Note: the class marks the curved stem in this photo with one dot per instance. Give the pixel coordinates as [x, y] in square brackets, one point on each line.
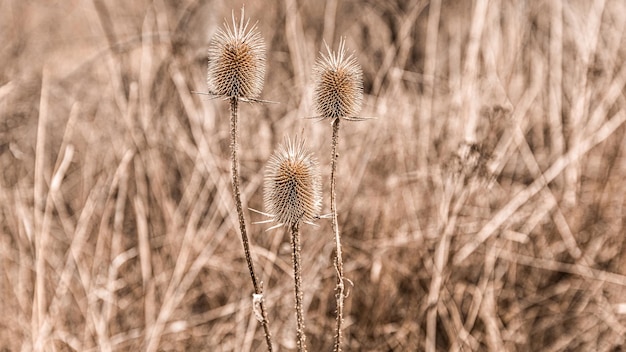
[258, 289]
[339, 294]
[297, 274]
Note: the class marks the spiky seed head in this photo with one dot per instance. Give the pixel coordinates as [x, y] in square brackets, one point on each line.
[338, 84]
[292, 190]
[237, 60]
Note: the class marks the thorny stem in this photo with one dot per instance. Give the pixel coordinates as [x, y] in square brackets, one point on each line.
[242, 225]
[339, 294]
[297, 274]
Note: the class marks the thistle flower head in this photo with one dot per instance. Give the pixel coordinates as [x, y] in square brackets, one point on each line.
[237, 60]
[338, 84]
[292, 190]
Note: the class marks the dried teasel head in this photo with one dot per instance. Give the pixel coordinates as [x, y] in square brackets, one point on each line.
[338, 84]
[237, 60]
[292, 190]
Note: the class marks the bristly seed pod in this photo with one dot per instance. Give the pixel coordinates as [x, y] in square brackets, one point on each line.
[237, 61]
[338, 84]
[292, 190]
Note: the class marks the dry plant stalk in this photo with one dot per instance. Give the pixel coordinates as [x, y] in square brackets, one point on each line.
[292, 194]
[236, 70]
[294, 239]
[338, 95]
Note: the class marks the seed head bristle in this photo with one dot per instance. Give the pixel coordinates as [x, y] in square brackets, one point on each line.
[338, 84]
[292, 190]
[237, 60]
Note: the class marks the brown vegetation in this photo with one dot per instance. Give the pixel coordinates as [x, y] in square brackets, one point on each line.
[483, 209]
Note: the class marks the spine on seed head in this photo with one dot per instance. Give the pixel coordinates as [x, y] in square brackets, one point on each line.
[236, 60]
[292, 185]
[338, 84]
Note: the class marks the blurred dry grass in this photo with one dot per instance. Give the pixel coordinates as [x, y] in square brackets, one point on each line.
[483, 210]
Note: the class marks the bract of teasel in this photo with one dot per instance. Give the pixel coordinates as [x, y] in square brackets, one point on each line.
[237, 61]
[338, 84]
[292, 185]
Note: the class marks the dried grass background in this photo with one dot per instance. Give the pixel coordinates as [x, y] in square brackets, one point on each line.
[117, 225]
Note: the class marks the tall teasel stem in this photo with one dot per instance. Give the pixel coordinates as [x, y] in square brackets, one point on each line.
[292, 194]
[235, 71]
[258, 289]
[338, 95]
[339, 258]
[235, 183]
[297, 273]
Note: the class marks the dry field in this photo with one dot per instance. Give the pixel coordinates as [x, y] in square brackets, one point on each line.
[484, 209]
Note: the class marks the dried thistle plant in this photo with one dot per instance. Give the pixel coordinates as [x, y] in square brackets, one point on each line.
[338, 85]
[292, 191]
[237, 61]
[338, 95]
[292, 195]
[236, 71]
